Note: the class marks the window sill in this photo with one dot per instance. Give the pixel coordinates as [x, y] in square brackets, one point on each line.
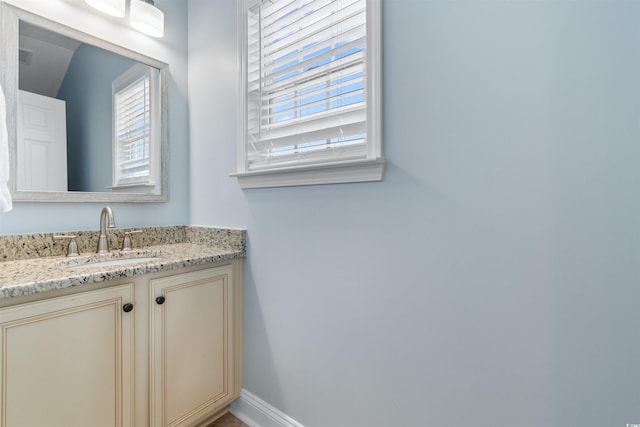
[137, 188]
[336, 173]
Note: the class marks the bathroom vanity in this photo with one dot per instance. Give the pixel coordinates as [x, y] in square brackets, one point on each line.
[149, 336]
[152, 339]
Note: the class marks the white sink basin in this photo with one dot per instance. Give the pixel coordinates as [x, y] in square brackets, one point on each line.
[110, 259]
[112, 262]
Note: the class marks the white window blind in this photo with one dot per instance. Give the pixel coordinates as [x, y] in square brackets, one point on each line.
[132, 129]
[306, 82]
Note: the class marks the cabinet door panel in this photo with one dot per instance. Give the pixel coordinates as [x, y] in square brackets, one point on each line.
[66, 362]
[190, 345]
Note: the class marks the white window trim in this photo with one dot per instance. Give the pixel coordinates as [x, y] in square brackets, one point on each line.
[151, 184]
[366, 170]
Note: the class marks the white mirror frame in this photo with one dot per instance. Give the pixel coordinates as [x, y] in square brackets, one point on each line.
[9, 45]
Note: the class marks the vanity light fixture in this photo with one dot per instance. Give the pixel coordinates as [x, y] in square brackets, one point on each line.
[147, 18]
[143, 15]
[110, 7]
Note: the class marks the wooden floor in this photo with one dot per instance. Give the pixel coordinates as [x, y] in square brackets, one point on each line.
[228, 420]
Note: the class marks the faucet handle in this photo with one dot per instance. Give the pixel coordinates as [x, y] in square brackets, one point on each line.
[126, 245]
[72, 250]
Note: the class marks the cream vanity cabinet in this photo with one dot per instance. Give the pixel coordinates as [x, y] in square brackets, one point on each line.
[193, 368]
[160, 350]
[67, 361]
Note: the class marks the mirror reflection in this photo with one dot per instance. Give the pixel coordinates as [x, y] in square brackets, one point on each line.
[84, 117]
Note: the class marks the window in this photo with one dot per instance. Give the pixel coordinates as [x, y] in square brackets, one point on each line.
[135, 147]
[311, 92]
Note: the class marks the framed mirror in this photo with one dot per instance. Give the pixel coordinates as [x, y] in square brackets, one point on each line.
[86, 119]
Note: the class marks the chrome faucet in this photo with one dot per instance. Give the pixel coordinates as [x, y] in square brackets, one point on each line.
[103, 244]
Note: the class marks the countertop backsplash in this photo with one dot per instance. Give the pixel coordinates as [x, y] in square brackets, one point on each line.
[28, 246]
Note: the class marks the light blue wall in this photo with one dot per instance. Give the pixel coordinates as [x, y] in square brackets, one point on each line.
[87, 90]
[48, 217]
[492, 279]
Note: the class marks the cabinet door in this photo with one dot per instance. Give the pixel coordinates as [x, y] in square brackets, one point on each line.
[67, 361]
[191, 346]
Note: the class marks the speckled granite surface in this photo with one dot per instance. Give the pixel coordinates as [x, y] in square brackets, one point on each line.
[27, 246]
[36, 263]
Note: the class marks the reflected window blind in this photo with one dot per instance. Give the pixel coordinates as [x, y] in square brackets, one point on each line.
[306, 80]
[133, 132]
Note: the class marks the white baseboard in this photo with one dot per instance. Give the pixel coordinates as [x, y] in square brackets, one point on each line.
[255, 412]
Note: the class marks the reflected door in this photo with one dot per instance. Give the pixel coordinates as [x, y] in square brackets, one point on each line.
[42, 143]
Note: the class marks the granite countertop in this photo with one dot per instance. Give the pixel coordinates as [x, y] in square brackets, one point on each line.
[200, 245]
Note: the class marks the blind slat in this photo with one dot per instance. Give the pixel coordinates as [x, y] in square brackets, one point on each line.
[353, 69]
[271, 9]
[319, 87]
[337, 153]
[331, 16]
[301, 60]
[308, 126]
[323, 40]
[297, 110]
[272, 23]
[355, 59]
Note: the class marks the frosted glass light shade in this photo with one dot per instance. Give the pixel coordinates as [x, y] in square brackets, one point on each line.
[147, 18]
[110, 7]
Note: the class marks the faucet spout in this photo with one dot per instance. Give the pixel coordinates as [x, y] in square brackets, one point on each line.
[105, 215]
